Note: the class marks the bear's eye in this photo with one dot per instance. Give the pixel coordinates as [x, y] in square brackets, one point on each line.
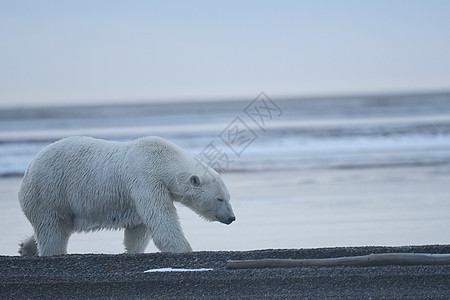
[195, 181]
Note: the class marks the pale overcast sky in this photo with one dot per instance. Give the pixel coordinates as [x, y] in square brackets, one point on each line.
[67, 52]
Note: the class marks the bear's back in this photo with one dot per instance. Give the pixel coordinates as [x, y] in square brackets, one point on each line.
[73, 153]
[70, 168]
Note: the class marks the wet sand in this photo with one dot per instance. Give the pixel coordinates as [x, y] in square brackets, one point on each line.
[306, 208]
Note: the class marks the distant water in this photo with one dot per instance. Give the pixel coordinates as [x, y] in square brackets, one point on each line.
[242, 136]
[324, 172]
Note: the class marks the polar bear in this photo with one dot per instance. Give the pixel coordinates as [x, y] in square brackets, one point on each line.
[81, 184]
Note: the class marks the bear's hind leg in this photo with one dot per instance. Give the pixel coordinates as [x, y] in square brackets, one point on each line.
[136, 239]
[53, 239]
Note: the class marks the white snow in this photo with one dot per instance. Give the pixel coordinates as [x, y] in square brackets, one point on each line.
[177, 270]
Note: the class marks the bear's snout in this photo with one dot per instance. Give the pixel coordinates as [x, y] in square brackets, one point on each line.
[227, 221]
[225, 213]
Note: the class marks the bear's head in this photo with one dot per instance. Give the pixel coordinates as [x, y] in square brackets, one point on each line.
[205, 193]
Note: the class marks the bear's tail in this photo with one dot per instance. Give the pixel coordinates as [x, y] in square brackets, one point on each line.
[28, 247]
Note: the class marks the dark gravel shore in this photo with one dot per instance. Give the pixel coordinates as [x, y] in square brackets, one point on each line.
[122, 276]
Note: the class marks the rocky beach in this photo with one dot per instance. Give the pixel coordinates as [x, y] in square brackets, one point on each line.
[92, 276]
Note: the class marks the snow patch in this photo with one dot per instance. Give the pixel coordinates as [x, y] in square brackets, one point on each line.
[177, 270]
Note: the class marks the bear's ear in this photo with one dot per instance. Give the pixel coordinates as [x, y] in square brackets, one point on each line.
[195, 181]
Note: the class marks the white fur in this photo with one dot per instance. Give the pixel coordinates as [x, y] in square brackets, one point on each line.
[81, 184]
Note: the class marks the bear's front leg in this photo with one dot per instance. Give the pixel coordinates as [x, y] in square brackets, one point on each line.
[136, 238]
[167, 234]
[160, 215]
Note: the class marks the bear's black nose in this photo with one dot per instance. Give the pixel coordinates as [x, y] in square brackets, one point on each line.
[231, 219]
